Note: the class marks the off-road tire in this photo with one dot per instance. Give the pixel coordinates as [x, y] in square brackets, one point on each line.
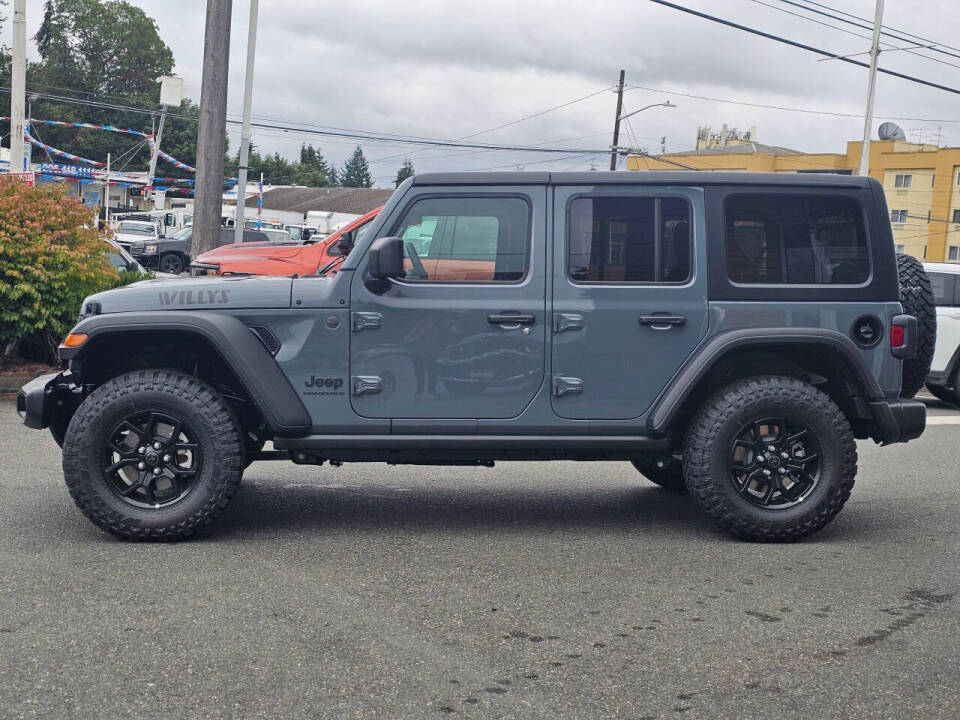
[171, 263]
[710, 436]
[669, 477]
[166, 391]
[916, 296]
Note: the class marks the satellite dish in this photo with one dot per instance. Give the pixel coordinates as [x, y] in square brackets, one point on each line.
[891, 131]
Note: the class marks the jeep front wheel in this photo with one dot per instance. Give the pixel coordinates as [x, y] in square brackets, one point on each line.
[152, 455]
[770, 459]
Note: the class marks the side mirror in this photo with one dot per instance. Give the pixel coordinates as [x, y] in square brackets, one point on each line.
[385, 258]
[344, 243]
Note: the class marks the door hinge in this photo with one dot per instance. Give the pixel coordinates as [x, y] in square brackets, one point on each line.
[363, 320]
[364, 384]
[567, 321]
[566, 385]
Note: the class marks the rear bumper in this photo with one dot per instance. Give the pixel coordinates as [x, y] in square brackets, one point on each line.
[898, 420]
[34, 401]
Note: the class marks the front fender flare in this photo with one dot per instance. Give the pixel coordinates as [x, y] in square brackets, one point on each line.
[241, 350]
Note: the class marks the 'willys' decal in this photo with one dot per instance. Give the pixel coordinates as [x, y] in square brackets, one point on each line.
[194, 297]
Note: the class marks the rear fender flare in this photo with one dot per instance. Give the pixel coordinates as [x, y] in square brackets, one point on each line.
[714, 349]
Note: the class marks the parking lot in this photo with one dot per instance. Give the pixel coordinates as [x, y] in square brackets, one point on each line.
[525, 591]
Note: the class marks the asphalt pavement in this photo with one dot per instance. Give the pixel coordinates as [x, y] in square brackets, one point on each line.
[531, 590]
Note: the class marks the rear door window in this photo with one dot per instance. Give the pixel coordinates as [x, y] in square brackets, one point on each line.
[628, 240]
[787, 239]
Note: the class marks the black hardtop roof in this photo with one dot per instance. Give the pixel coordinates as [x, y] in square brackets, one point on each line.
[646, 177]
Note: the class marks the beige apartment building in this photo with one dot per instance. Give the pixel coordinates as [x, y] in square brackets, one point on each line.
[921, 181]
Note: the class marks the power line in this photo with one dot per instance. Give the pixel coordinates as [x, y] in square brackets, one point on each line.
[358, 134]
[809, 111]
[515, 122]
[802, 46]
[868, 27]
[891, 29]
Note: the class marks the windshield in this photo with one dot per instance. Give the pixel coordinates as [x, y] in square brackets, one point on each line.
[184, 234]
[131, 228]
[120, 258]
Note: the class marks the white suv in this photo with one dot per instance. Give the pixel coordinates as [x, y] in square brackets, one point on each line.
[944, 378]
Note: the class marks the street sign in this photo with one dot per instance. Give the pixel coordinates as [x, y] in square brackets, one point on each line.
[28, 177]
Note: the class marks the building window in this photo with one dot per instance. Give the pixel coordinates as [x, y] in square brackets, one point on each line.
[900, 248]
[953, 253]
[796, 240]
[898, 216]
[903, 181]
[956, 216]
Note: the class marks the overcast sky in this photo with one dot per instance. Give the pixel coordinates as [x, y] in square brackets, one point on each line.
[439, 69]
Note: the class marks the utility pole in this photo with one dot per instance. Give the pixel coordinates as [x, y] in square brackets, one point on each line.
[245, 129]
[213, 121]
[871, 86]
[106, 196]
[616, 123]
[18, 85]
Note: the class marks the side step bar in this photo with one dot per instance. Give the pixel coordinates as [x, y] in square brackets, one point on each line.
[580, 443]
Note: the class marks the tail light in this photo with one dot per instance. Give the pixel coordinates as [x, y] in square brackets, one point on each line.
[896, 336]
[903, 336]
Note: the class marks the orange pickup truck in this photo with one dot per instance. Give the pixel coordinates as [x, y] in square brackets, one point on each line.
[281, 258]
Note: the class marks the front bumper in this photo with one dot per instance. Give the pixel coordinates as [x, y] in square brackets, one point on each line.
[199, 269]
[151, 261]
[898, 420]
[34, 401]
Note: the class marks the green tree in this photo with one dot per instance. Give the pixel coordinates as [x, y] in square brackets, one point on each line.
[405, 171]
[356, 171]
[110, 51]
[311, 158]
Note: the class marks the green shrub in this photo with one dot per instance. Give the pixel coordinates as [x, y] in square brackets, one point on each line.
[49, 261]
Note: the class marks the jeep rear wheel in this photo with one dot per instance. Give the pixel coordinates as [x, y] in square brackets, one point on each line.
[662, 470]
[152, 455]
[770, 459]
[916, 296]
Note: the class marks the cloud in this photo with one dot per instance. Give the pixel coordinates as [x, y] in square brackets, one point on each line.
[433, 68]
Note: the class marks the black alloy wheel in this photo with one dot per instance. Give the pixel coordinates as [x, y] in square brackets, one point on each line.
[171, 263]
[775, 462]
[152, 459]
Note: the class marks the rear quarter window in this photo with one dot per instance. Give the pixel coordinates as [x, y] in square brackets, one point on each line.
[795, 239]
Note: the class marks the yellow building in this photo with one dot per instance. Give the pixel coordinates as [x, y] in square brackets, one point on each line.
[922, 183]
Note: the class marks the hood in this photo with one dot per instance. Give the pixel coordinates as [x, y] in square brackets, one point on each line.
[197, 293]
[253, 251]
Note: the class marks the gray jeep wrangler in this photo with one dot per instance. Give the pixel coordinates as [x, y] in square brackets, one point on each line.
[730, 334]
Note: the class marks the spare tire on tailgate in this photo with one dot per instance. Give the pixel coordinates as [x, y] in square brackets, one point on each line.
[916, 296]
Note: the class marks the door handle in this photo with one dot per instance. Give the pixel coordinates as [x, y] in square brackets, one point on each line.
[507, 318]
[663, 321]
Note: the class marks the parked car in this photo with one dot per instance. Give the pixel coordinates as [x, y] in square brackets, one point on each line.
[943, 382]
[283, 258]
[169, 255]
[121, 260]
[172, 255]
[128, 232]
[733, 334]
